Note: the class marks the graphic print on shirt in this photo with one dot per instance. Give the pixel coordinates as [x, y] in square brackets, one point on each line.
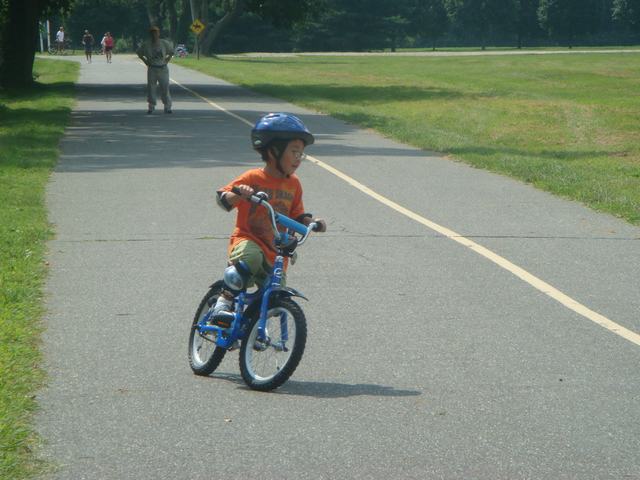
[259, 221]
[253, 222]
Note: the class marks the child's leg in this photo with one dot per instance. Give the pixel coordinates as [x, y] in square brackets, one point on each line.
[254, 258]
[251, 254]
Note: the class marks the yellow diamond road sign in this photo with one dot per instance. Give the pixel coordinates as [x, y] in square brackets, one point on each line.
[197, 26]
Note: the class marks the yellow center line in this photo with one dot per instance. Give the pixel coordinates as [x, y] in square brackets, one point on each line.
[213, 104]
[502, 262]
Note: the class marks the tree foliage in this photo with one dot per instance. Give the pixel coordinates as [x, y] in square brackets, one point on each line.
[285, 25]
[527, 25]
[123, 18]
[627, 13]
[568, 19]
[218, 15]
[483, 18]
[429, 19]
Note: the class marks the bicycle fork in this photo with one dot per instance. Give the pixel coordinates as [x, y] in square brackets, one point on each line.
[263, 340]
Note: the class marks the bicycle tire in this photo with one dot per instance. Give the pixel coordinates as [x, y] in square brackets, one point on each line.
[257, 359]
[204, 355]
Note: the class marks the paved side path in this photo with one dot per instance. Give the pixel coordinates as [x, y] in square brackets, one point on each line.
[438, 53]
[424, 360]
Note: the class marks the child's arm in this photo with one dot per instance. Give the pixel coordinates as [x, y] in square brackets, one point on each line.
[227, 200]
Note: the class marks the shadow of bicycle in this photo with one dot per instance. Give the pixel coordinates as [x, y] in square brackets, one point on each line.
[342, 390]
[328, 389]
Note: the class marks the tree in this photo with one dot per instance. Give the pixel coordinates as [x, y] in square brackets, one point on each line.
[395, 20]
[282, 13]
[358, 25]
[125, 19]
[18, 40]
[429, 19]
[484, 19]
[627, 12]
[527, 25]
[228, 12]
[566, 20]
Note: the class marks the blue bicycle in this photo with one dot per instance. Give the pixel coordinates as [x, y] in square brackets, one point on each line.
[271, 326]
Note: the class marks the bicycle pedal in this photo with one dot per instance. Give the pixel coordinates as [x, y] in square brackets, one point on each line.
[223, 319]
[260, 346]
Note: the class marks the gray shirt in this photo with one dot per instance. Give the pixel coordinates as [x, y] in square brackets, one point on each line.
[155, 54]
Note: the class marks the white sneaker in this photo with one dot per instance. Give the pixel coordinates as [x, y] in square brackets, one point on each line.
[223, 304]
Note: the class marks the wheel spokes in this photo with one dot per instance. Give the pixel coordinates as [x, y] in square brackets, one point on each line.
[268, 356]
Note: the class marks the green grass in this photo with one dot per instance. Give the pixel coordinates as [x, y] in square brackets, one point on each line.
[564, 123]
[32, 121]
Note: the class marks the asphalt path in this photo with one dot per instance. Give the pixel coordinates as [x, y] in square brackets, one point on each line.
[424, 360]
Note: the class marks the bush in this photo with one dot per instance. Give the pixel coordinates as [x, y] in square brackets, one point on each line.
[123, 45]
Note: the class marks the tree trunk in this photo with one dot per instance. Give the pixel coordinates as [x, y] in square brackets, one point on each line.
[154, 12]
[19, 38]
[211, 33]
[173, 20]
[184, 20]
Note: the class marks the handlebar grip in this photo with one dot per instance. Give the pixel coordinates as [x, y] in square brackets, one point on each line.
[315, 226]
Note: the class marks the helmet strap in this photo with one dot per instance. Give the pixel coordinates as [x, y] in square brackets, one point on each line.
[278, 154]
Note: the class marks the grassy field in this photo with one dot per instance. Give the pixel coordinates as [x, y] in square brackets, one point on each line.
[31, 124]
[565, 123]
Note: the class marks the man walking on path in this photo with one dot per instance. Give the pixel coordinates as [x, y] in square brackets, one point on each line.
[156, 53]
[87, 41]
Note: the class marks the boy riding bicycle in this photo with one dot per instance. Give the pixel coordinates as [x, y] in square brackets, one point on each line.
[280, 138]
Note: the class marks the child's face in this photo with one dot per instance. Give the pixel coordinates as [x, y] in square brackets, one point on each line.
[292, 157]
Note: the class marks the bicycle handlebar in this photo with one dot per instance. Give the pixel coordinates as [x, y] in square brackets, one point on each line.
[261, 198]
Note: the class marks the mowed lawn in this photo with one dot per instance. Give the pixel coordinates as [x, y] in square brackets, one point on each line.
[569, 124]
[32, 120]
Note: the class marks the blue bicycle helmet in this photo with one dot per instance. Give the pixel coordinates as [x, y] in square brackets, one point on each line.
[279, 126]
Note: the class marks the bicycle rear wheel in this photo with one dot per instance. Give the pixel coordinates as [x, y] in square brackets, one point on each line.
[267, 363]
[204, 355]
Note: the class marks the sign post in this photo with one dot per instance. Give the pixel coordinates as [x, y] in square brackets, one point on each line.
[197, 27]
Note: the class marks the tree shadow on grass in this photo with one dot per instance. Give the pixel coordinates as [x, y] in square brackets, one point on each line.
[29, 134]
[36, 91]
[30, 137]
[358, 94]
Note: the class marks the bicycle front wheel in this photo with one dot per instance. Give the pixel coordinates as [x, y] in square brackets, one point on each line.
[267, 361]
[204, 354]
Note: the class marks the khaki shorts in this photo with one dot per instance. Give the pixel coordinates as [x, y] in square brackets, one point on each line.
[251, 254]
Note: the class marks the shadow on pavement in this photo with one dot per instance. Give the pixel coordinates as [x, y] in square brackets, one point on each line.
[342, 390]
[112, 131]
[326, 389]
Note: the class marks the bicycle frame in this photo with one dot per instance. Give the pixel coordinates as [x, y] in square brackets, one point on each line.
[226, 337]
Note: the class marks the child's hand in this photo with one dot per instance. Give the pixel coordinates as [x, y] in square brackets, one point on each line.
[245, 191]
[321, 225]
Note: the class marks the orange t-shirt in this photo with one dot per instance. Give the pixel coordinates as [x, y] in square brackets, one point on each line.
[252, 222]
